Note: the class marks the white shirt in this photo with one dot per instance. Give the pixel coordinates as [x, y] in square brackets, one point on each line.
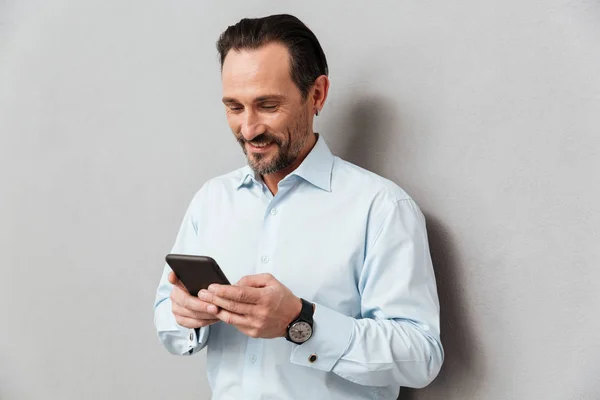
[339, 236]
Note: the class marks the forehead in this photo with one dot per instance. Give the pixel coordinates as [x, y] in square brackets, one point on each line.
[248, 74]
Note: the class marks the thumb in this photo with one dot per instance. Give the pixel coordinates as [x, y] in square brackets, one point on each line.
[257, 281]
[174, 280]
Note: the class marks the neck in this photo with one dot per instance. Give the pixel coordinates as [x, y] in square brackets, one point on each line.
[272, 180]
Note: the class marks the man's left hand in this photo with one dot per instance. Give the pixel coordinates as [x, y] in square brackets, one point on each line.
[257, 305]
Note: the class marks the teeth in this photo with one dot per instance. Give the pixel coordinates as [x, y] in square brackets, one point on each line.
[261, 145]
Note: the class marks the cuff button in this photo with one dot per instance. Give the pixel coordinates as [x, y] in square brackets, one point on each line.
[312, 358]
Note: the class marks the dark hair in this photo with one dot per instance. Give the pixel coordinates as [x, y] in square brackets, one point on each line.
[307, 59]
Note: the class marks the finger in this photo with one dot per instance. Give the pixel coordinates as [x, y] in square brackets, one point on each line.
[257, 280]
[233, 319]
[173, 278]
[194, 323]
[228, 304]
[184, 312]
[241, 294]
[185, 300]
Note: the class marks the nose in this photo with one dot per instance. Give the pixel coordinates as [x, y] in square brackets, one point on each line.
[251, 125]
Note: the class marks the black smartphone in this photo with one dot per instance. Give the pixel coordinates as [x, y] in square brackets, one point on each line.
[196, 272]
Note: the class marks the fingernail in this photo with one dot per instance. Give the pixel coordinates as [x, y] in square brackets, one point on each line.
[212, 288]
[202, 294]
[211, 309]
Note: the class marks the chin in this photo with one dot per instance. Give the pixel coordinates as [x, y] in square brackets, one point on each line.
[259, 164]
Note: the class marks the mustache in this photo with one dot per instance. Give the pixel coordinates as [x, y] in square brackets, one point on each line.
[261, 139]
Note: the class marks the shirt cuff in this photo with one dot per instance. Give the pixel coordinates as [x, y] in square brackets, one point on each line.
[196, 337]
[332, 333]
[178, 339]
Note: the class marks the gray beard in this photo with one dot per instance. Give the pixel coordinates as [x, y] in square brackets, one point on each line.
[284, 159]
[281, 162]
[286, 156]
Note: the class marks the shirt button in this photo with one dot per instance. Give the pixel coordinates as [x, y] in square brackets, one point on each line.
[252, 358]
[274, 211]
[265, 259]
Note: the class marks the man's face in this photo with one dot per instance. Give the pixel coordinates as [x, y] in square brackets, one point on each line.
[264, 107]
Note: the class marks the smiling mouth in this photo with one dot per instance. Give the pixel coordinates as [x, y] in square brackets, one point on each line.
[260, 147]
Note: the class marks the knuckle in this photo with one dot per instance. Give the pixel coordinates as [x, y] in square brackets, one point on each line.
[257, 323]
[233, 307]
[266, 299]
[204, 307]
[183, 302]
[177, 309]
[198, 315]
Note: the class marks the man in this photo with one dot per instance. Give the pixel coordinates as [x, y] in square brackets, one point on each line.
[335, 295]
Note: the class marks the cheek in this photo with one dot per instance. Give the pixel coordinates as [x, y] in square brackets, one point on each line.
[234, 123]
[279, 124]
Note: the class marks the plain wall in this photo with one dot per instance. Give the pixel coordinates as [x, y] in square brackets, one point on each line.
[487, 113]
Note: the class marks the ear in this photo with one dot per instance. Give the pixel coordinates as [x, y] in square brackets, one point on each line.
[319, 93]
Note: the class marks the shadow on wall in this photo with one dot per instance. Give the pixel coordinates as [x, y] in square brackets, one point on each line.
[370, 127]
[364, 128]
[461, 367]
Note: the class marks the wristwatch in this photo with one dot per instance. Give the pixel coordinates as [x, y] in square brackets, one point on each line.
[301, 329]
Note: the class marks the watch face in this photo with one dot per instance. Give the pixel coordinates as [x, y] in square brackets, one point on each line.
[300, 332]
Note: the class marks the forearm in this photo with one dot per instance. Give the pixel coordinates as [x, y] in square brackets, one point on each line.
[383, 352]
[372, 352]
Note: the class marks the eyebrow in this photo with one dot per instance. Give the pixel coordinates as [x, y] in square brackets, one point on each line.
[259, 99]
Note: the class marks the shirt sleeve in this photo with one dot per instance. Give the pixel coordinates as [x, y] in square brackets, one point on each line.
[176, 338]
[397, 338]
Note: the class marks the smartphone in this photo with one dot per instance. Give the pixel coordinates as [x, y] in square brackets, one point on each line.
[196, 272]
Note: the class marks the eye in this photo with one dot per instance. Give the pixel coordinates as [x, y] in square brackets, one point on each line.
[235, 107]
[268, 106]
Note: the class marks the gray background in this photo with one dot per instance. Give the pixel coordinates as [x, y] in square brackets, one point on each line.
[488, 113]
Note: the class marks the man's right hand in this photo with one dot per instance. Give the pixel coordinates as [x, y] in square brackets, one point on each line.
[190, 311]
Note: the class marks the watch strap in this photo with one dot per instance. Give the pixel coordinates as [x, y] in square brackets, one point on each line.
[307, 311]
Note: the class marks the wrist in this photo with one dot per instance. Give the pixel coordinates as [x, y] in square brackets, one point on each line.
[294, 313]
[300, 329]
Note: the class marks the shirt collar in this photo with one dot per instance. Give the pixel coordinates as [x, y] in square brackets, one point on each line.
[315, 168]
[247, 176]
